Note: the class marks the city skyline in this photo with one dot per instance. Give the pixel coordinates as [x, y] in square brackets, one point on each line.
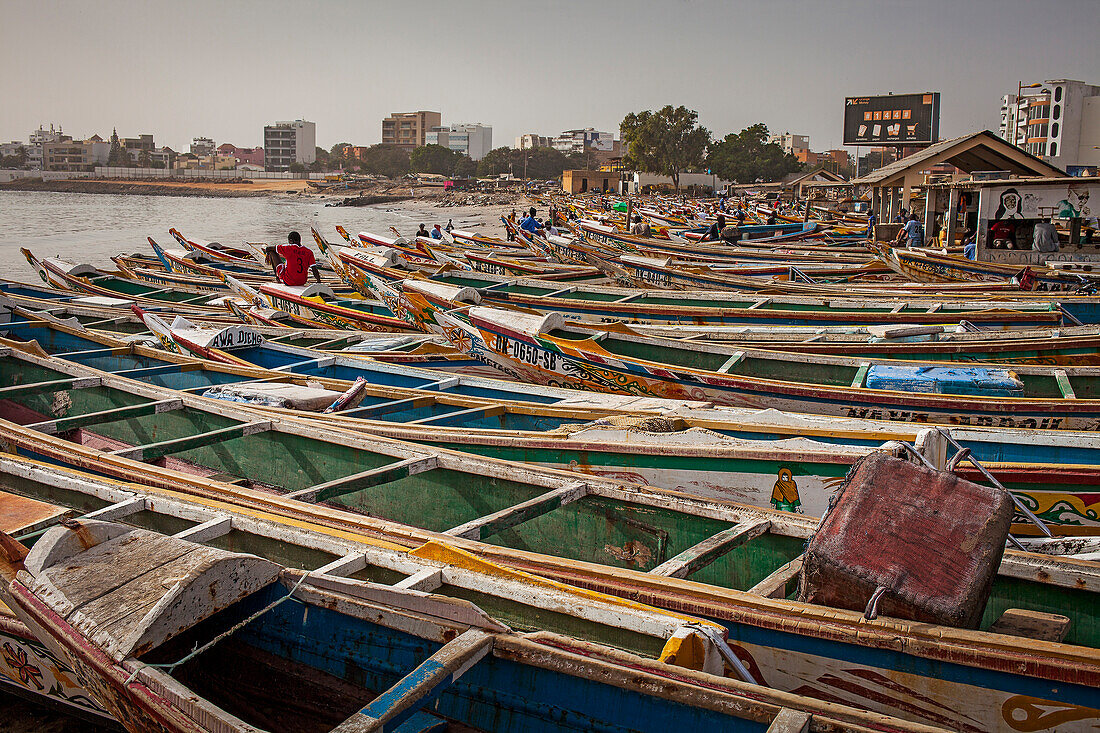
[226, 70]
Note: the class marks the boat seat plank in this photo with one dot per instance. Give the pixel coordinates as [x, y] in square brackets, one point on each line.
[491, 524]
[631, 297]
[460, 416]
[421, 686]
[114, 512]
[19, 515]
[108, 566]
[51, 385]
[1064, 384]
[1032, 624]
[114, 611]
[790, 721]
[861, 374]
[383, 408]
[152, 451]
[760, 304]
[899, 308]
[365, 479]
[63, 424]
[731, 362]
[157, 370]
[775, 585]
[704, 553]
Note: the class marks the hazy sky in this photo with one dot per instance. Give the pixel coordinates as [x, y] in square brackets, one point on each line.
[224, 69]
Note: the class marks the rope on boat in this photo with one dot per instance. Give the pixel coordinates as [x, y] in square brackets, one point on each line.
[171, 667]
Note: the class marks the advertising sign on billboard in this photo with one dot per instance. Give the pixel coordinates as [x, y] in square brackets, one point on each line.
[895, 119]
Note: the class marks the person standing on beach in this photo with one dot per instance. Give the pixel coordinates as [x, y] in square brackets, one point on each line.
[871, 221]
[422, 232]
[531, 224]
[450, 225]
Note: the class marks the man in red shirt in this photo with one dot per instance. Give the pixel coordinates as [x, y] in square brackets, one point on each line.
[298, 261]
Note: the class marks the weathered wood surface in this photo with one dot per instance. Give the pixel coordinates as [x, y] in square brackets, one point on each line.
[18, 514]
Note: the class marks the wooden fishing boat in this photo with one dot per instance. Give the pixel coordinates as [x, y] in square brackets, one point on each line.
[383, 578]
[316, 305]
[603, 303]
[245, 256]
[610, 538]
[58, 273]
[546, 350]
[930, 266]
[714, 456]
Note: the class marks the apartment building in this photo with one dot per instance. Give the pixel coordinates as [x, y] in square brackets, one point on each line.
[202, 146]
[531, 140]
[795, 145]
[286, 143]
[409, 129]
[576, 141]
[1057, 120]
[472, 139]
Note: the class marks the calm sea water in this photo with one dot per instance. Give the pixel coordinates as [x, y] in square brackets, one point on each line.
[93, 227]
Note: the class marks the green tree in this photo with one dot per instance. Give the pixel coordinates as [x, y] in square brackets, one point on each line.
[464, 168]
[385, 160]
[434, 159]
[297, 168]
[747, 157]
[144, 161]
[666, 142]
[540, 163]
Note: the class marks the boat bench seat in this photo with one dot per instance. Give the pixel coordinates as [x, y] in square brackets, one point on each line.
[1032, 624]
[276, 394]
[130, 590]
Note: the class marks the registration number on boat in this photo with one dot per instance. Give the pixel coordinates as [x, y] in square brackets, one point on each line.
[525, 352]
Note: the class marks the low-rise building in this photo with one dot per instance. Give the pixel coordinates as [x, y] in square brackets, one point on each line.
[202, 146]
[40, 137]
[250, 156]
[409, 129]
[70, 155]
[286, 143]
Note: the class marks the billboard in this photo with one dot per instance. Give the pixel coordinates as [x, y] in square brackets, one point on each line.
[895, 119]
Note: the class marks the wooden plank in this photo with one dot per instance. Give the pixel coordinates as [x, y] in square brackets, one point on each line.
[491, 524]
[345, 565]
[861, 374]
[113, 351]
[19, 515]
[162, 369]
[443, 384]
[629, 298]
[1064, 385]
[323, 363]
[425, 580]
[1032, 624]
[731, 362]
[790, 721]
[62, 424]
[118, 510]
[898, 308]
[459, 417]
[365, 479]
[208, 530]
[51, 385]
[704, 553]
[383, 408]
[152, 451]
[563, 291]
[421, 686]
[760, 304]
[775, 585]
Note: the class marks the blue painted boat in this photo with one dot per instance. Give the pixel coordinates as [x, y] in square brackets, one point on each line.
[175, 636]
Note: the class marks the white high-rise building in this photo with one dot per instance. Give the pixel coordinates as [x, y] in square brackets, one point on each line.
[1058, 120]
[531, 140]
[291, 142]
[575, 141]
[472, 139]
